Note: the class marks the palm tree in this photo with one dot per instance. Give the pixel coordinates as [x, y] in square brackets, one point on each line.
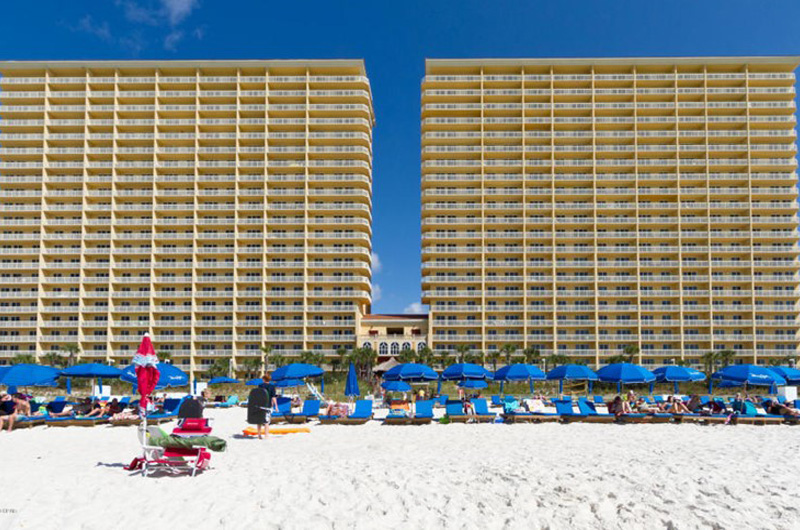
[24, 358]
[279, 360]
[363, 359]
[620, 358]
[557, 359]
[508, 351]
[266, 352]
[220, 368]
[710, 362]
[406, 355]
[341, 355]
[165, 356]
[479, 358]
[461, 352]
[251, 367]
[630, 351]
[493, 357]
[73, 351]
[310, 357]
[532, 355]
[425, 355]
[725, 357]
[54, 359]
[444, 359]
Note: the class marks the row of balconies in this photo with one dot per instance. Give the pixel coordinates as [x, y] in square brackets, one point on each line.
[199, 122]
[264, 310]
[605, 322]
[561, 120]
[617, 219]
[602, 263]
[445, 306]
[607, 205]
[183, 250]
[232, 149]
[488, 150]
[142, 164]
[642, 233]
[189, 206]
[506, 93]
[626, 192]
[199, 178]
[558, 134]
[615, 77]
[601, 278]
[238, 79]
[599, 177]
[561, 292]
[205, 107]
[602, 249]
[201, 136]
[569, 162]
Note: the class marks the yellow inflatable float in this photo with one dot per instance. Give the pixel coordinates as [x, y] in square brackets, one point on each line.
[252, 431]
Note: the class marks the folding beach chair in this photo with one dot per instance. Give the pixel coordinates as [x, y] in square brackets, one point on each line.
[171, 460]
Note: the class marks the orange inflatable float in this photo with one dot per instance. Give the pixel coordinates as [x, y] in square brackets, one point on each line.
[252, 431]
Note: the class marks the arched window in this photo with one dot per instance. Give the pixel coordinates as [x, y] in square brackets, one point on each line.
[383, 349]
[395, 348]
[367, 345]
[420, 346]
[407, 346]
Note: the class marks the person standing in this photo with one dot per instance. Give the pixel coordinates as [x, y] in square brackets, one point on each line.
[261, 401]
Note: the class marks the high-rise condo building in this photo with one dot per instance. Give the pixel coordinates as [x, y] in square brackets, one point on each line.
[220, 205]
[582, 206]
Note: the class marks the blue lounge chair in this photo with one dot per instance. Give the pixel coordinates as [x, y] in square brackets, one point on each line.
[423, 412]
[230, 402]
[454, 409]
[481, 409]
[310, 410]
[441, 401]
[589, 411]
[26, 422]
[497, 401]
[360, 416]
[565, 411]
[598, 400]
[512, 416]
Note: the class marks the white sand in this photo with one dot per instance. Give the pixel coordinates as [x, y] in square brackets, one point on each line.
[374, 476]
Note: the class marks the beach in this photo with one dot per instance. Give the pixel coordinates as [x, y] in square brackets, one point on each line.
[437, 476]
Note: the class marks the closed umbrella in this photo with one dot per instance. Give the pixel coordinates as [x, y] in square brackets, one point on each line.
[625, 373]
[351, 385]
[145, 364]
[571, 372]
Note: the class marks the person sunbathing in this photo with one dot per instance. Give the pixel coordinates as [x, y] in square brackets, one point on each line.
[676, 406]
[22, 405]
[97, 410]
[8, 412]
[645, 408]
[337, 409]
[695, 405]
[619, 407]
[778, 409]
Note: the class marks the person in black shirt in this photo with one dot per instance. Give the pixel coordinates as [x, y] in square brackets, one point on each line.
[8, 411]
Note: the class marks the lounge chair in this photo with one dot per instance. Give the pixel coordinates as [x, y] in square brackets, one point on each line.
[512, 416]
[284, 408]
[589, 411]
[423, 412]
[77, 421]
[598, 400]
[441, 401]
[454, 409]
[360, 416]
[497, 401]
[230, 402]
[566, 412]
[26, 422]
[310, 410]
[482, 414]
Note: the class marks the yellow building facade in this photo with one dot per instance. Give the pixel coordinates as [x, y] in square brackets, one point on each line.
[220, 205]
[579, 206]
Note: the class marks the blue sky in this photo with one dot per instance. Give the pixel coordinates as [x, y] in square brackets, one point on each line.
[394, 38]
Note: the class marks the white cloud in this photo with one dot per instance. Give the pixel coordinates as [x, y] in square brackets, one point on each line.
[172, 40]
[178, 10]
[415, 309]
[100, 30]
[377, 293]
[377, 266]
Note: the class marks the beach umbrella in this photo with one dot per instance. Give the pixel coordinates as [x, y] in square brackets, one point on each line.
[169, 375]
[411, 372]
[677, 374]
[461, 371]
[748, 374]
[396, 386]
[254, 382]
[297, 371]
[792, 375]
[286, 383]
[90, 370]
[351, 385]
[222, 381]
[571, 372]
[28, 375]
[624, 373]
[145, 364]
[519, 372]
[473, 383]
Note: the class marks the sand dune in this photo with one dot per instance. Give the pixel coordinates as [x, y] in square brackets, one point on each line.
[437, 476]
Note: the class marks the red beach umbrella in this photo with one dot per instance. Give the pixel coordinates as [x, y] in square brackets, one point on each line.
[147, 373]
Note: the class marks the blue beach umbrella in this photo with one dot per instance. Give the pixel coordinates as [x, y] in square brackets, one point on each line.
[473, 383]
[677, 374]
[411, 372]
[748, 374]
[396, 386]
[170, 375]
[222, 381]
[571, 372]
[624, 373]
[28, 375]
[97, 370]
[297, 371]
[286, 383]
[792, 375]
[461, 371]
[254, 382]
[519, 372]
[351, 385]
